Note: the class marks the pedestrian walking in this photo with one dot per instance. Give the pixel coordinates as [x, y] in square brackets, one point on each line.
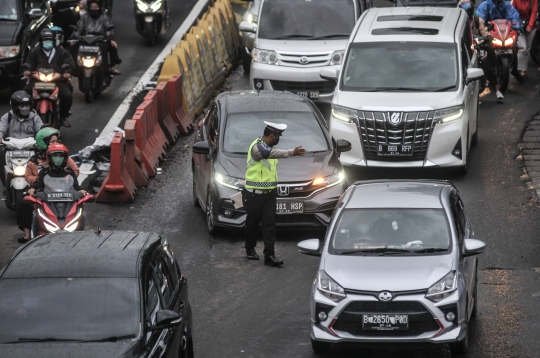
[259, 195]
[528, 10]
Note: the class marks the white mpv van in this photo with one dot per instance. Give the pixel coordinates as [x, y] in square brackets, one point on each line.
[407, 94]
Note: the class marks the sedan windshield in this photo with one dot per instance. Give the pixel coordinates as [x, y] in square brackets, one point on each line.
[400, 66]
[302, 129]
[301, 19]
[8, 10]
[391, 231]
[68, 309]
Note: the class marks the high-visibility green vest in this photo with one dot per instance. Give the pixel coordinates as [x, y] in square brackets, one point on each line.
[261, 174]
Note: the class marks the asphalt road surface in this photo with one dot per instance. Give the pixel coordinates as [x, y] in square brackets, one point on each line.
[242, 308]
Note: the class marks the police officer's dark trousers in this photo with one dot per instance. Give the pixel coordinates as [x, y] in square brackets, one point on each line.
[260, 209]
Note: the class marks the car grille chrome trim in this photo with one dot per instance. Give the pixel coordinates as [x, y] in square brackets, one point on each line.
[314, 59]
[415, 129]
[394, 293]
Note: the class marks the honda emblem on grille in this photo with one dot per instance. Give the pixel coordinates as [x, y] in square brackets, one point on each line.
[395, 118]
[385, 296]
[282, 190]
[303, 60]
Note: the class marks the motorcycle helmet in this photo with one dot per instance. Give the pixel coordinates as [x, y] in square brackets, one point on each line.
[44, 135]
[21, 104]
[47, 39]
[58, 35]
[468, 7]
[57, 155]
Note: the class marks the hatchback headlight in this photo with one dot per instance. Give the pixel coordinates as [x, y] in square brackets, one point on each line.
[337, 57]
[346, 115]
[9, 51]
[329, 180]
[443, 288]
[328, 287]
[448, 114]
[228, 181]
[264, 56]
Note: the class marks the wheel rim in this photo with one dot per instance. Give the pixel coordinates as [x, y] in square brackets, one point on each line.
[209, 211]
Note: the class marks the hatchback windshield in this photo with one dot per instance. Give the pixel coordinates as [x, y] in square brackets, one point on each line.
[400, 66]
[68, 308]
[302, 129]
[301, 19]
[8, 10]
[391, 230]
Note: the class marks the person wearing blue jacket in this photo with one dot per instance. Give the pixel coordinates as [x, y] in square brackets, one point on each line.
[498, 10]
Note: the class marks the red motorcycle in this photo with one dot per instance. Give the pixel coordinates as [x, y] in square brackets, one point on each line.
[59, 207]
[505, 44]
[45, 96]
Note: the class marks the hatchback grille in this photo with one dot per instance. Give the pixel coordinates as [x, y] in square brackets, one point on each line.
[385, 307]
[415, 329]
[415, 129]
[324, 87]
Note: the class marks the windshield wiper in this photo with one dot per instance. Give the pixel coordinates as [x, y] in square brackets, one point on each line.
[429, 249]
[331, 36]
[380, 89]
[112, 338]
[37, 340]
[382, 250]
[289, 36]
[444, 89]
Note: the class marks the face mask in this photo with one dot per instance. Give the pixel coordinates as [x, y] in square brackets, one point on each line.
[48, 45]
[58, 161]
[94, 13]
[24, 111]
[82, 12]
[58, 43]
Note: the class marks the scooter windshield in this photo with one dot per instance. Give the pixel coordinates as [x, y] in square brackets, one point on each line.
[59, 185]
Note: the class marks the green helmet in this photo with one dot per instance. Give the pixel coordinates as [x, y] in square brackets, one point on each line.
[44, 135]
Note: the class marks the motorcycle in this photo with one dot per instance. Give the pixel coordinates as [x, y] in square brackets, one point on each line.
[45, 96]
[151, 18]
[18, 153]
[59, 207]
[505, 44]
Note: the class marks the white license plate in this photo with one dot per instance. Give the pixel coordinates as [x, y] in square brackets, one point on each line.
[59, 197]
[289, 207]
[91, 49]
[385, 322]
[309, 94]
[395, 150]
[20, 154]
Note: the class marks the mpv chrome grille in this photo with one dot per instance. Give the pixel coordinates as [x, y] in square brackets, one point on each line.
[304, 60]
[414, 128]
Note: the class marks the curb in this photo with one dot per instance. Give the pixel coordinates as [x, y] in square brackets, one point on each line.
[530, 151]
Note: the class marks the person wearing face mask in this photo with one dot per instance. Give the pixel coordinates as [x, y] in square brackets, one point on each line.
[259, 194]
[48, 55]
[95, 22]
[20, 122]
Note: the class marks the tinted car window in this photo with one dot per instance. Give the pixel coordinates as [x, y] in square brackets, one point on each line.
[8, 10]
[68, 308]
[408, 229]
[304, 19]
[302, 129]
[164, 280]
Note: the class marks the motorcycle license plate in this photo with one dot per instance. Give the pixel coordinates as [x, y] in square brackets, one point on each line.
[385, 322]
[42, 86]
[59, 197]
[289, 207]
[20, 154]
[91, 49]
[394, 150]
[309, 94]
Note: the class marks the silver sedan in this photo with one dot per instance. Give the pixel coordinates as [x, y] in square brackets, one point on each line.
[399, 264]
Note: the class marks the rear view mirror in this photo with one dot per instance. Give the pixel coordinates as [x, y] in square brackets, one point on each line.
[246, 26]
[166, 319]
[201, 148]
[34, 13]
[473, 247]
[310, 247]
[89, 198]
[29, 199]
[473, 74]
[490, 26]
[329, 74]
[343, 146]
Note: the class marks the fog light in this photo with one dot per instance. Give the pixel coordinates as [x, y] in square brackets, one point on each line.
[228, 213]
[322, 316]
[457, 152]
[450, 316]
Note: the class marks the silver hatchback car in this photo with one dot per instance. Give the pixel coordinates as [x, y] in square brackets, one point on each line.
[399, 264]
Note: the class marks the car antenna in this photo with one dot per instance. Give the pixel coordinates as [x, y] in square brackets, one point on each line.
[259, 86]
[98, 230]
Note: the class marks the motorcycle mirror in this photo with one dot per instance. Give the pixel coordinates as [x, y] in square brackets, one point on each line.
[89, 198]
[490, 27]
[29, 199]
[109, 28]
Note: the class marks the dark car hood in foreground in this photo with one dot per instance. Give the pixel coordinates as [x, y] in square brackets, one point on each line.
[293, 169]
[8, 31]
[57, 350]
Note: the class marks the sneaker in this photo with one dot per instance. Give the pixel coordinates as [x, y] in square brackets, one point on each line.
[4, 196]
[500, 96]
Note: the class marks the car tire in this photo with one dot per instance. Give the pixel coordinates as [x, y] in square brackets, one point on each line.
[458, 348]
[195, 200]
[320, 347]
[210, 220]
[474, 139]
[246, 61]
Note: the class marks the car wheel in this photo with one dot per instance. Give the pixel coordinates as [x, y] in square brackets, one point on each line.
[210, 220]
[246, 61]
[195, 200]
[320, 347]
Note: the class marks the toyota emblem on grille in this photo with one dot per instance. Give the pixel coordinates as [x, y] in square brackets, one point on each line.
[395, 118]
[303, 60]
[385, 296]
[283, 190]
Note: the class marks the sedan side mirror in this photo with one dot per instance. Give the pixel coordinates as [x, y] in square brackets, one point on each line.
[329, 73]
[34, 13]
[473, 74]
[343, 146]
[166, 319]
[201, 148]
[310, 247]
[246, 26]
[473, 247]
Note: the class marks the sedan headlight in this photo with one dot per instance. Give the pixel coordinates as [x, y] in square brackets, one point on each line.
[328, 287]
[330, 180]
[264, 56]
[337, 57]
[344, 114]
[448, 114]
[9, 51]
[443, 288]
[228, 181]
[19, 171]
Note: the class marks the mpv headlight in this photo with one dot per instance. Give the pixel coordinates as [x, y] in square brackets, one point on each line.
[252, 18]
[330, 180]
[228, 181]
[264, 56]
[328, 287]
[346, 115]
[448, 114]
[443, 288]
[9, 51]
[337, 57]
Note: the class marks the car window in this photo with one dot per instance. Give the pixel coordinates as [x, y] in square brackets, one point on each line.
[459, 216]
[152, 301]
[464, 59]
[163, 279]
[302, 129]
[9, 10]
[404, 229]
[208, 119]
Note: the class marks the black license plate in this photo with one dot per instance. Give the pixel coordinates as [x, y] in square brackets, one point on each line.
[385, 322]
[20, 154]
[59, 197]
[289, 207]
[91, 49]
[395, 150]
[309, 94]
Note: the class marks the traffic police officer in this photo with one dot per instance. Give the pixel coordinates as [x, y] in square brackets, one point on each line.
[259, 195]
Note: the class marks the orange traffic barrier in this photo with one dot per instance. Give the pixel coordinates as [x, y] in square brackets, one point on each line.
[164, 117]
[176, 110]
[156, 137]
[134, 165]
[117, 186]
[148, 159]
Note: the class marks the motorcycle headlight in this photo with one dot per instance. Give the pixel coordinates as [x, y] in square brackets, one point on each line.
[448, 114]
[508, 42]
[9, 51]
[264, 56]
[19, 171]
[330, 180]
[74, 223]
[443, 288]
[49, 225]
[337, 57]
[346, 115]
[43, 77]
[496, 42]
[228, 181]
[89, 62]
[156, 5]
[141, 5]
[328, 287]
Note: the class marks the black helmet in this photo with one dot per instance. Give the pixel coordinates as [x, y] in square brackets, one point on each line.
[47, 39]
[21, 99]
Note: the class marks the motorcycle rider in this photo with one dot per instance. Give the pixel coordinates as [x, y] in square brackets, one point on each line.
[48, 55]
[96, 22]
[490, 10]
[58, 35]
[20, 122]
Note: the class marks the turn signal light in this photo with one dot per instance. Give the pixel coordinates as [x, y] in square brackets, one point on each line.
[318, 181]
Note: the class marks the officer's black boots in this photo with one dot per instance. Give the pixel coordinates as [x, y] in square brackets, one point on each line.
[272, 260]
[251, 254]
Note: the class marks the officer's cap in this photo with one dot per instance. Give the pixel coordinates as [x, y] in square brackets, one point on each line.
[277, 128]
